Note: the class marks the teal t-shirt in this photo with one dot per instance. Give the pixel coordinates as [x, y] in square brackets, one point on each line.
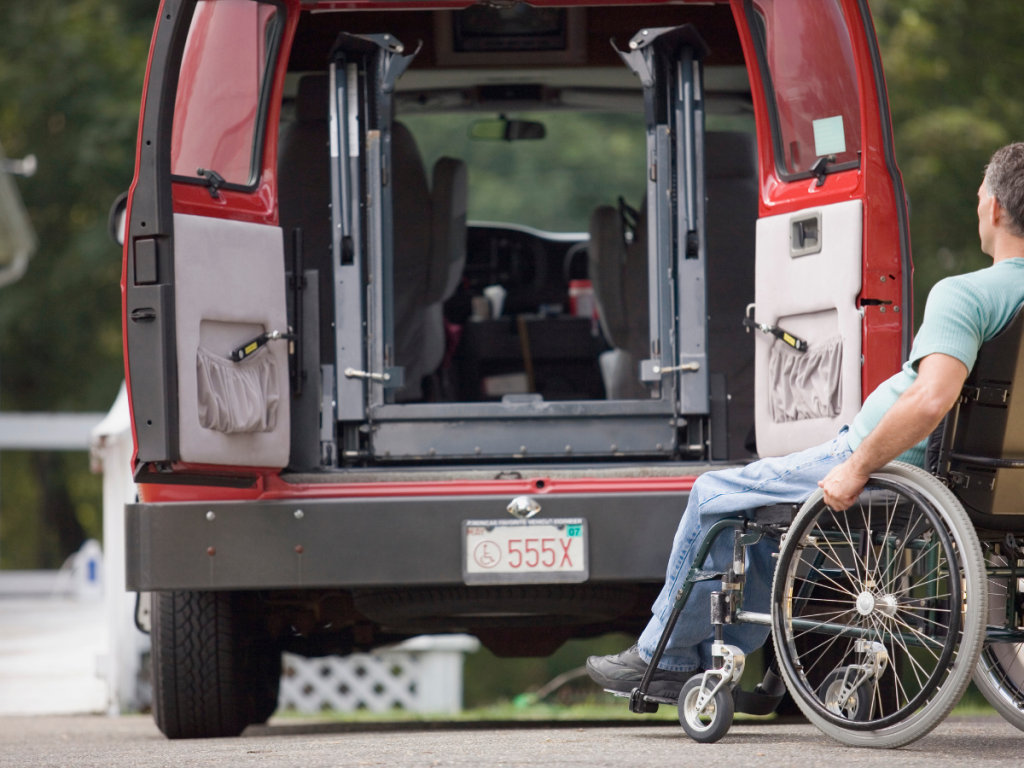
[962, 313]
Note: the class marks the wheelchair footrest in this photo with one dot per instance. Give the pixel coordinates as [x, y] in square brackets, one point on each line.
[648, 698]
[754, 703]
[763, 699]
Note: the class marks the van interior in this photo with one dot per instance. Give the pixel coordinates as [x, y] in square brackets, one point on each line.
[519, 179]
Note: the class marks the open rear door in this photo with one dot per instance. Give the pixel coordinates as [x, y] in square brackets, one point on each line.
[204, 261]
[833, 260]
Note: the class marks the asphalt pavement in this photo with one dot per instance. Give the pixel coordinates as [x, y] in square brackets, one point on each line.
[41, 742]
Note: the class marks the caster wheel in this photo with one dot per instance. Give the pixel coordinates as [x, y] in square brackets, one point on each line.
[714, 722]
[856, 706]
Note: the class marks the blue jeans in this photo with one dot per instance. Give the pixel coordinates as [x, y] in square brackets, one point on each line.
[783, 480]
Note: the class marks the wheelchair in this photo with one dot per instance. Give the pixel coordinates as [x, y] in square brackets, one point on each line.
[882, 614]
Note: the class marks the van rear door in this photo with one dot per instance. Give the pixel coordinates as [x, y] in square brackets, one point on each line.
[833, 254]
[204, 277]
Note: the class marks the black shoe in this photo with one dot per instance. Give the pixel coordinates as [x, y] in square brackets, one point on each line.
[623, 673]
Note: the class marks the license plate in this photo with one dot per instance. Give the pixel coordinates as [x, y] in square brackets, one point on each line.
[525, 551]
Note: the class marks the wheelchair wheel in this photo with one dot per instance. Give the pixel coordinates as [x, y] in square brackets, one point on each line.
[1000, 672]
[711, 724]
[840, 697]
[891, 594]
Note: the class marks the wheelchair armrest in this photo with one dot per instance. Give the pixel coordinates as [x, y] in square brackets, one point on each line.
[988, 461]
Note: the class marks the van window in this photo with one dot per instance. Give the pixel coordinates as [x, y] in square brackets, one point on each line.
[807, 65]
[222, 89]
[584, 160]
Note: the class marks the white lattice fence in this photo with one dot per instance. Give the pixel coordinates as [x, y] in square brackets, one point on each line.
[423, 674]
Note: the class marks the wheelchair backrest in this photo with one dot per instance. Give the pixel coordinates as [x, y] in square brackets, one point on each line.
[990, 425]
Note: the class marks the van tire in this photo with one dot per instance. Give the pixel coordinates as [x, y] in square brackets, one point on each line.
[487, 606]
[214, 670]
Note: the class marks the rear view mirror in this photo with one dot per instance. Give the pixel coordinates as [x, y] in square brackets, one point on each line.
[115, 224]
[503, 129]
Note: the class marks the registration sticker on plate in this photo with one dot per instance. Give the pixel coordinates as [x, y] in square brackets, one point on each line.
[525, 551]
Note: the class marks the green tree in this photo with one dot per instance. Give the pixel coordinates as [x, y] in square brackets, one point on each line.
[70, 82]
[953, 69]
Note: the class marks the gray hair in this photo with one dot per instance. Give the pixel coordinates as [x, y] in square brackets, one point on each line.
[1004, 179]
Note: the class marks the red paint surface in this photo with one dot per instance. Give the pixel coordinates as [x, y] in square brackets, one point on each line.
[270, 487]
[814, 74]
[222, 73]
[260, 205]
[882, 339]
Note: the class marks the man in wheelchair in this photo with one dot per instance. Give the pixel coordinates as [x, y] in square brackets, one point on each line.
[961, 314]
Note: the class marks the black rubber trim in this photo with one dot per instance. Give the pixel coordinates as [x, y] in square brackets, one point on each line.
[889, 152]
[754, 24]
[144, 475]
[151, 359]
[987, 461]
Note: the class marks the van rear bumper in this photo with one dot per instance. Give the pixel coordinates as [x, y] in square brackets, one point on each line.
[372, 542]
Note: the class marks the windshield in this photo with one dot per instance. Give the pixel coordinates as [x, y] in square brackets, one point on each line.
[554, 183]
[585, 159]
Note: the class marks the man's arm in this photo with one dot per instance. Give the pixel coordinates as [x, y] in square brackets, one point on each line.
[940, 379]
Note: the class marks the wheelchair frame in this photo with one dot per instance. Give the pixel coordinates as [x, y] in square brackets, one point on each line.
[726, 608]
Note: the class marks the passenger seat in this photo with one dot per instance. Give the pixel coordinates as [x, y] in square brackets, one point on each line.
[429, 231]
[618, 273]
[430, 255]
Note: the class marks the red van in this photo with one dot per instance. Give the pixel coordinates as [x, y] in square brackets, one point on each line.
[360, 417]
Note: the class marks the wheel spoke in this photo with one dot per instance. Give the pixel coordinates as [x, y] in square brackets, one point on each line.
[861, 577]
[892, 664]
[888, 528]
[822, 655]
[926, 641]
[914, 664]
[903, 548]
[838, 585]
[838, 561]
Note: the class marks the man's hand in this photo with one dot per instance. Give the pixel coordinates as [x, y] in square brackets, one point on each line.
[843, 485]
[918, 411]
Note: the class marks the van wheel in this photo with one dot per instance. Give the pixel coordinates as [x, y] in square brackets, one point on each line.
[214, 670]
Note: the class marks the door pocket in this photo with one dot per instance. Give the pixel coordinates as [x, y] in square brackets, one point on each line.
[805, 385]
[235, 398]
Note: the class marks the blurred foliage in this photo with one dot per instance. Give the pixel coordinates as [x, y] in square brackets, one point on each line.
[71, 78]
[489, 678]
[70, 82]
[36, 532]
[953, 68]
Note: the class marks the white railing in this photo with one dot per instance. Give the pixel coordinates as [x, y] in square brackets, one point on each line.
[423, 674]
